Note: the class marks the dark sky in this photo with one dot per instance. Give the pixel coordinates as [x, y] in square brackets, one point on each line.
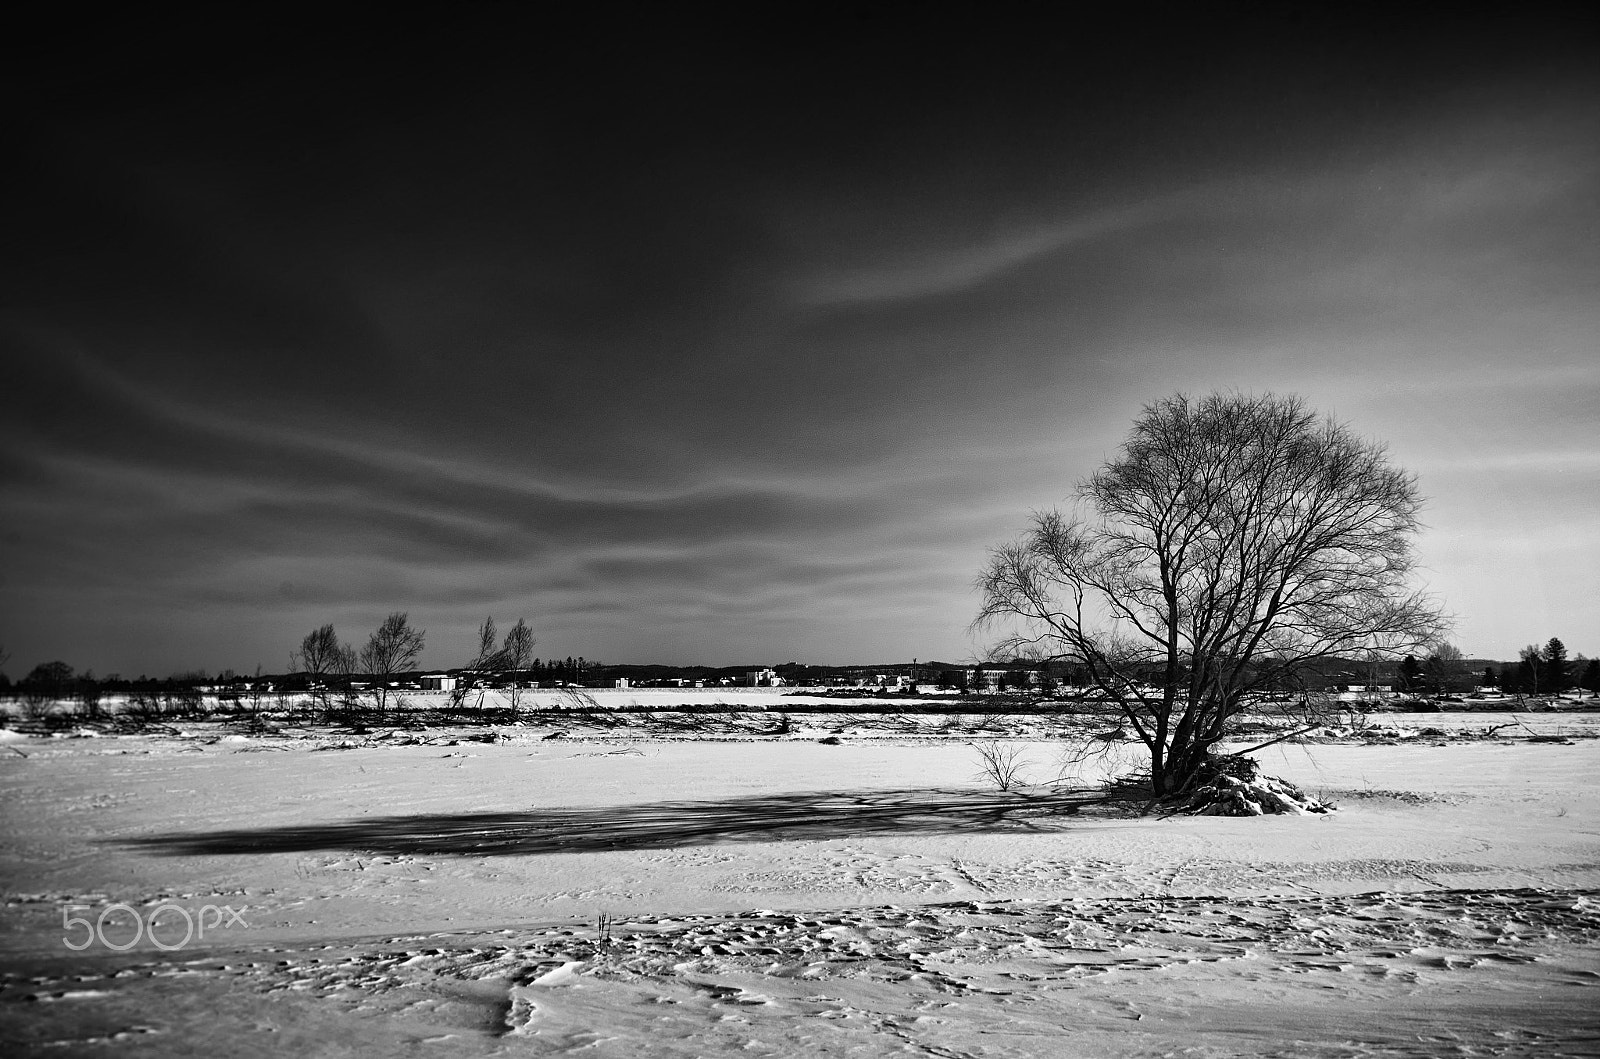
[742, 343]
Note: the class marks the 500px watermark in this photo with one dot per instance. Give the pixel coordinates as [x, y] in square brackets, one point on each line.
[122, 918]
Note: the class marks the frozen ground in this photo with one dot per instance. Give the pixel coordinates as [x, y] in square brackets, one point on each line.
[425, 893]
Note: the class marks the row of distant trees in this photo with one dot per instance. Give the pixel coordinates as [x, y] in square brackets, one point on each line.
[328, 665]
[1543, 670]
[49, 684]
[323, 666]
[1548, 671]
[326, 669]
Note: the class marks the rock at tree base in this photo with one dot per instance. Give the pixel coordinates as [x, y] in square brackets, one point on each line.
[1263, 796]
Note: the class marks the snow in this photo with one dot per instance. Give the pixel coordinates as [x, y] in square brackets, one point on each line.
[428, 890]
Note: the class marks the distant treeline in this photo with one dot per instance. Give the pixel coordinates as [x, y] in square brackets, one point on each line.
[1539, 671]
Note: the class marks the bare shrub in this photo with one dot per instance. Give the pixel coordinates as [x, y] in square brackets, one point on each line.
[254, 695]
[576, 698]
[1001, 763]
[37, 708]
[143, 707]
[91, 697]
[187, 698]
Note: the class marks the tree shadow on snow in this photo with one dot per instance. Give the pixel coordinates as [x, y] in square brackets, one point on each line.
[660, 825]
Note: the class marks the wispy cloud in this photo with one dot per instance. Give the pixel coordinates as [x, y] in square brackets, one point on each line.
[949, 270]
[1577, 461]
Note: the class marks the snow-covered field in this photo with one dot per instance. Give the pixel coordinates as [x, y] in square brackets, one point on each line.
[423, 892]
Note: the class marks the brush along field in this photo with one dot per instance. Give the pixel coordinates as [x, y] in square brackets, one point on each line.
[720, 884]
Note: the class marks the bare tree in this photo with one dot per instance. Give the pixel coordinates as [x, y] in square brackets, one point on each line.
[1531, 669]
[392, 649]
[516, 654]
[488, 656]
[257, 691]
[1233, 541]
[322, 658]
[1443, 668]
[487, 661]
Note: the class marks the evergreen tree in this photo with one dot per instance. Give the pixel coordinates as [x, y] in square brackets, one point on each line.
[1591, 676]
[1490, 678]
[1410, 673]
[1555, 666]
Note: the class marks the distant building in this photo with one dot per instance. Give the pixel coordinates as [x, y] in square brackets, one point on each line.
[438, 682]
[763, 678]
[622, 682]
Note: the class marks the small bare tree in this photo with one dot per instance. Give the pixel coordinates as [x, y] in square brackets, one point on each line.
[476, 673]
[256, 692]
[392, 649]
[322, 658]
[488, 656]
[515, 655]
[1234, 541]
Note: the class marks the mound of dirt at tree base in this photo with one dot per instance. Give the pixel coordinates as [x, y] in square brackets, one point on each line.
[1261, 796]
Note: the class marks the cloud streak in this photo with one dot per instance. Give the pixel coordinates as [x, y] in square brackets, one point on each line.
[950, 271]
